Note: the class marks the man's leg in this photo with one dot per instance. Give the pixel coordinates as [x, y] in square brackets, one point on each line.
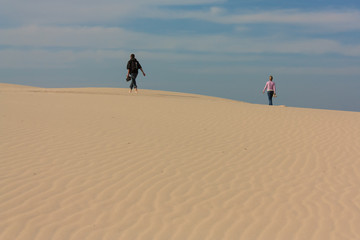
[133, 81]
[270, 95]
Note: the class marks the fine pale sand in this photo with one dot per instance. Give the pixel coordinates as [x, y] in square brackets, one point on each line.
[100, 163]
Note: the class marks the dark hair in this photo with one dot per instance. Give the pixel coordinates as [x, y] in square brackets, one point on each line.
[271, 77]
[132, 56]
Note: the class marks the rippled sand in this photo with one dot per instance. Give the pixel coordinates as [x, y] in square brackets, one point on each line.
[100, 163]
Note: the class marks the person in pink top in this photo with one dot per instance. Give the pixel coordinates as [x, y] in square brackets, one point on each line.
[271, 89]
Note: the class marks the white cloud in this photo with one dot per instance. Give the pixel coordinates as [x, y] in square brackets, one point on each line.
[342, 71]
[43, 59]
[331, 20]
[334, 21]
[100, 38]
[50, 12]
[81, 12]
[217, 10]
[83, 37]
[42, 30]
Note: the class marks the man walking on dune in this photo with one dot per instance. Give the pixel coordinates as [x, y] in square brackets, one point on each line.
[133, 66]
[271, 89]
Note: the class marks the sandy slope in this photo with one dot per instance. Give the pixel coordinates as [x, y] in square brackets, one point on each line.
[103, 164]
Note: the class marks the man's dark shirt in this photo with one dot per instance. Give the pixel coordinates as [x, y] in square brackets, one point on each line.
[133, 65]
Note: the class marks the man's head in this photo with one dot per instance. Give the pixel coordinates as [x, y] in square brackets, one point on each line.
[132, 56]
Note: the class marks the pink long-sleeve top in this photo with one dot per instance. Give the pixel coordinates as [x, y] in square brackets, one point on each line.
[270, 86]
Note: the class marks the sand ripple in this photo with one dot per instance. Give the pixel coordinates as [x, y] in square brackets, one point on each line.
[103, 164]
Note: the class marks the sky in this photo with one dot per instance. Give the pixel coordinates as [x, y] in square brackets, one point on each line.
[222, 48]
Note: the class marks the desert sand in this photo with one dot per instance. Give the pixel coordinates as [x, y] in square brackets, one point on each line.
[100, 163]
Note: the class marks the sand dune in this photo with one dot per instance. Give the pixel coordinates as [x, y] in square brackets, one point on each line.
[99, 163]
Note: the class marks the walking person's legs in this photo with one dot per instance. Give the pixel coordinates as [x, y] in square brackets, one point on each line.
[133, 82]
[270, 96]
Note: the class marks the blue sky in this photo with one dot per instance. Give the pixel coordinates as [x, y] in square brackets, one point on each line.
[213, 47]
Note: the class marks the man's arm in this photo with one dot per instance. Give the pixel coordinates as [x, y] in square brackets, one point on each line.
[142, 71]
[128, 68]
[265, 87]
